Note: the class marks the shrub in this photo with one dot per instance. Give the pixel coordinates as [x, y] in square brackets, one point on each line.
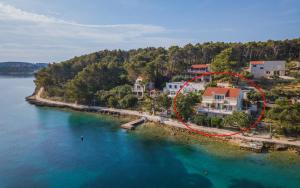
[199, 120]
[112, 101]
[216, 122]
[128, 101]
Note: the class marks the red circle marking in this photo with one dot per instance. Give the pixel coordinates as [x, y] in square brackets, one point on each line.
[249, 81]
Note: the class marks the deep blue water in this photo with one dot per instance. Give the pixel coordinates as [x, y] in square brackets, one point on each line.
[41, 147]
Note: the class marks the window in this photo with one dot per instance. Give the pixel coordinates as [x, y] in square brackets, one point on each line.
[219, 97]
[173, 93]
[170, 86]
[267, 72]
[175, 86]
[261, 67]
[254, 65]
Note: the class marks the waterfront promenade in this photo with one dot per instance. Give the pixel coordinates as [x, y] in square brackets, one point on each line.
[37, 99]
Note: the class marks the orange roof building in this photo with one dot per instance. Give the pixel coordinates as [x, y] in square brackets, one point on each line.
[227, 92]
[222, 101]
[200, 66]
[257, 62]
[199, 69]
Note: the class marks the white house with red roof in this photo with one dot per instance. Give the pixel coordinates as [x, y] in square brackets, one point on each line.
[267, 68]
[199, 69]
[223, 101]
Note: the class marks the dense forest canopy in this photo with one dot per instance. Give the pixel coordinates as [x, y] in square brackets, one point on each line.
[80, 78]
[20, 67]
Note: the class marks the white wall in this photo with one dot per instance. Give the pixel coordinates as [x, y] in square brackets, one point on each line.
[260, 70]
[173, 87]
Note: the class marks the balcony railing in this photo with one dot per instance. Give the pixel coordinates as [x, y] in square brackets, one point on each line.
[214, 110]
[227, 100]
[197, 70]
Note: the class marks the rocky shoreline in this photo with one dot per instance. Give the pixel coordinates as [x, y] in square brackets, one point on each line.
[247, 143]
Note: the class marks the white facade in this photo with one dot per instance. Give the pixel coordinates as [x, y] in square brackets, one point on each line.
[139, 88]
[173, 87]
[224, 84]
[267, 68]
[194, 87]
[222, 101]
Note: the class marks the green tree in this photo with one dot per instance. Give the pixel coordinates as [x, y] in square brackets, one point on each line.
[211, 84]
[121, 91]
[237, 119]
[112, 102]
[247, 74]
[149, 104]
[80, 77]
[164, 102]
[200, 119]
[185, 105]
[281, 102]
[91, 79]
[285, 118]
[216, 122]
[128, 101]
[102, 97]
[253, 96]
[224, 61]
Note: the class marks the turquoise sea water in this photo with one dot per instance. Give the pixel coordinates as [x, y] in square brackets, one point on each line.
[41, 147]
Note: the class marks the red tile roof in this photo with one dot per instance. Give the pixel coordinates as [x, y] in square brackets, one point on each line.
[228, 92]
[257, 62]
[200, 66]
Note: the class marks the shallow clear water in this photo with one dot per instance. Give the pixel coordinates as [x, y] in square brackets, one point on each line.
[41, 147]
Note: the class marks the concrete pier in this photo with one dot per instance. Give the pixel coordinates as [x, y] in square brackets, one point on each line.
[133, 124]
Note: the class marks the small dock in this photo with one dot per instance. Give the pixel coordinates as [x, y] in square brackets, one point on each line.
[133, 124]
[252, 146]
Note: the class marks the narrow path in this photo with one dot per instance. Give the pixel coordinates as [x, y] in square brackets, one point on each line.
[166, 121]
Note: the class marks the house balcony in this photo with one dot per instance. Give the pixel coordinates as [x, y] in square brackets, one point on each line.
[215, 110]
[226, 101]
[197, 71]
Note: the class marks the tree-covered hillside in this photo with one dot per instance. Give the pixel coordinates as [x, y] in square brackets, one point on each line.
[20, 67]
[80, 78]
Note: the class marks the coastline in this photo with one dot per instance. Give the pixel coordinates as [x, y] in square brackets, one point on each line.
[212, 146]
[239, 140]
